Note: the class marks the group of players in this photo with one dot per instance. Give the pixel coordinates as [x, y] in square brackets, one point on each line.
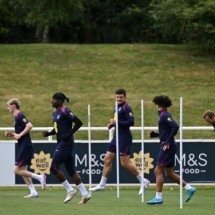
[66, 123]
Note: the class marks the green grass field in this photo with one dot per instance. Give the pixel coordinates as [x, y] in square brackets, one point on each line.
[106, 203]
[90, 74]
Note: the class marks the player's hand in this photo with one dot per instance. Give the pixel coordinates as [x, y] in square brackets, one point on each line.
[152, 134]
[110, 126]
[165, 147]
[8, 134]
[17, 136]
[45, 133]
[112, 121]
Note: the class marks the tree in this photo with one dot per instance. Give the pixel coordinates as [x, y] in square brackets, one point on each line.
[113, 21]
[166, 17]
[44, 14]
[199, 24]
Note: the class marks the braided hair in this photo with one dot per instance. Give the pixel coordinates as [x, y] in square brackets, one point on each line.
[60, 96]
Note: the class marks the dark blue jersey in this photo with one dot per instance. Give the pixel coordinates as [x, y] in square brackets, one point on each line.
[125, 120]
[20, 122]
[62, 120]
[125, 117]
[167, 127]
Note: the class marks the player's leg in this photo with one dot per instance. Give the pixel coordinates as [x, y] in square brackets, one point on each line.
[169, 172]
[161, 162]
[23, 160]
[33, 192]
[159, 178]
[128, 165]
[59, 157]
[24, 157]
[158, 199]
[76, 178]
[108, 160]
[86, 196]
[28, 181]
[176, 178]
[125, 143]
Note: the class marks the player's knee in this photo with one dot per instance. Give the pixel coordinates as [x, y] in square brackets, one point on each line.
[158, 171]
[15, 170]
[123, 164]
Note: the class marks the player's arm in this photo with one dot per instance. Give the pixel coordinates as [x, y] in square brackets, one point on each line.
[49, 133]
[174, 128]
[153, 134]
[129, 117]
[9, 134]
[77, 125]
[111, 123]
[128, 122]
[28, 127]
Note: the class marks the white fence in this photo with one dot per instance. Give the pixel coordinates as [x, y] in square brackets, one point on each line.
[110, 132]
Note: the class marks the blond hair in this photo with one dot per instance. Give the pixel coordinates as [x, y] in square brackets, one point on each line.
[15, 102]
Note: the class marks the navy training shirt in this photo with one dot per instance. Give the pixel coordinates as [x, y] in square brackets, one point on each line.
[167, 127]
[20, 122]
[125, 117]
[62, 120]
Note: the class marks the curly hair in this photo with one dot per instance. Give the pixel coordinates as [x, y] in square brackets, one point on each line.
[162, 100]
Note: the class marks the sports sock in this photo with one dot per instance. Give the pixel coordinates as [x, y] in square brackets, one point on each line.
[139, 178]
[36, 176]
[82, 189]
[159, 195]
[103, 181]
[187, 187]
[32, 189]
[68, 187]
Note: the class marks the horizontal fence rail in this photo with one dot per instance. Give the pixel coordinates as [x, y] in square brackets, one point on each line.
[110, 133]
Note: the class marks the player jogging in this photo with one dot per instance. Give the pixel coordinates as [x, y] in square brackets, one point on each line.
[25, 152]
[125, 120]
[166, 158]
[63, 120]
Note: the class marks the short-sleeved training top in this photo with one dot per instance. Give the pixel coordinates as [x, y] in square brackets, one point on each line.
[20, 122]
[62, 120]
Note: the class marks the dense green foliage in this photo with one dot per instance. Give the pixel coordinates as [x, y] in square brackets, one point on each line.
[90, 74]
[109, 21]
